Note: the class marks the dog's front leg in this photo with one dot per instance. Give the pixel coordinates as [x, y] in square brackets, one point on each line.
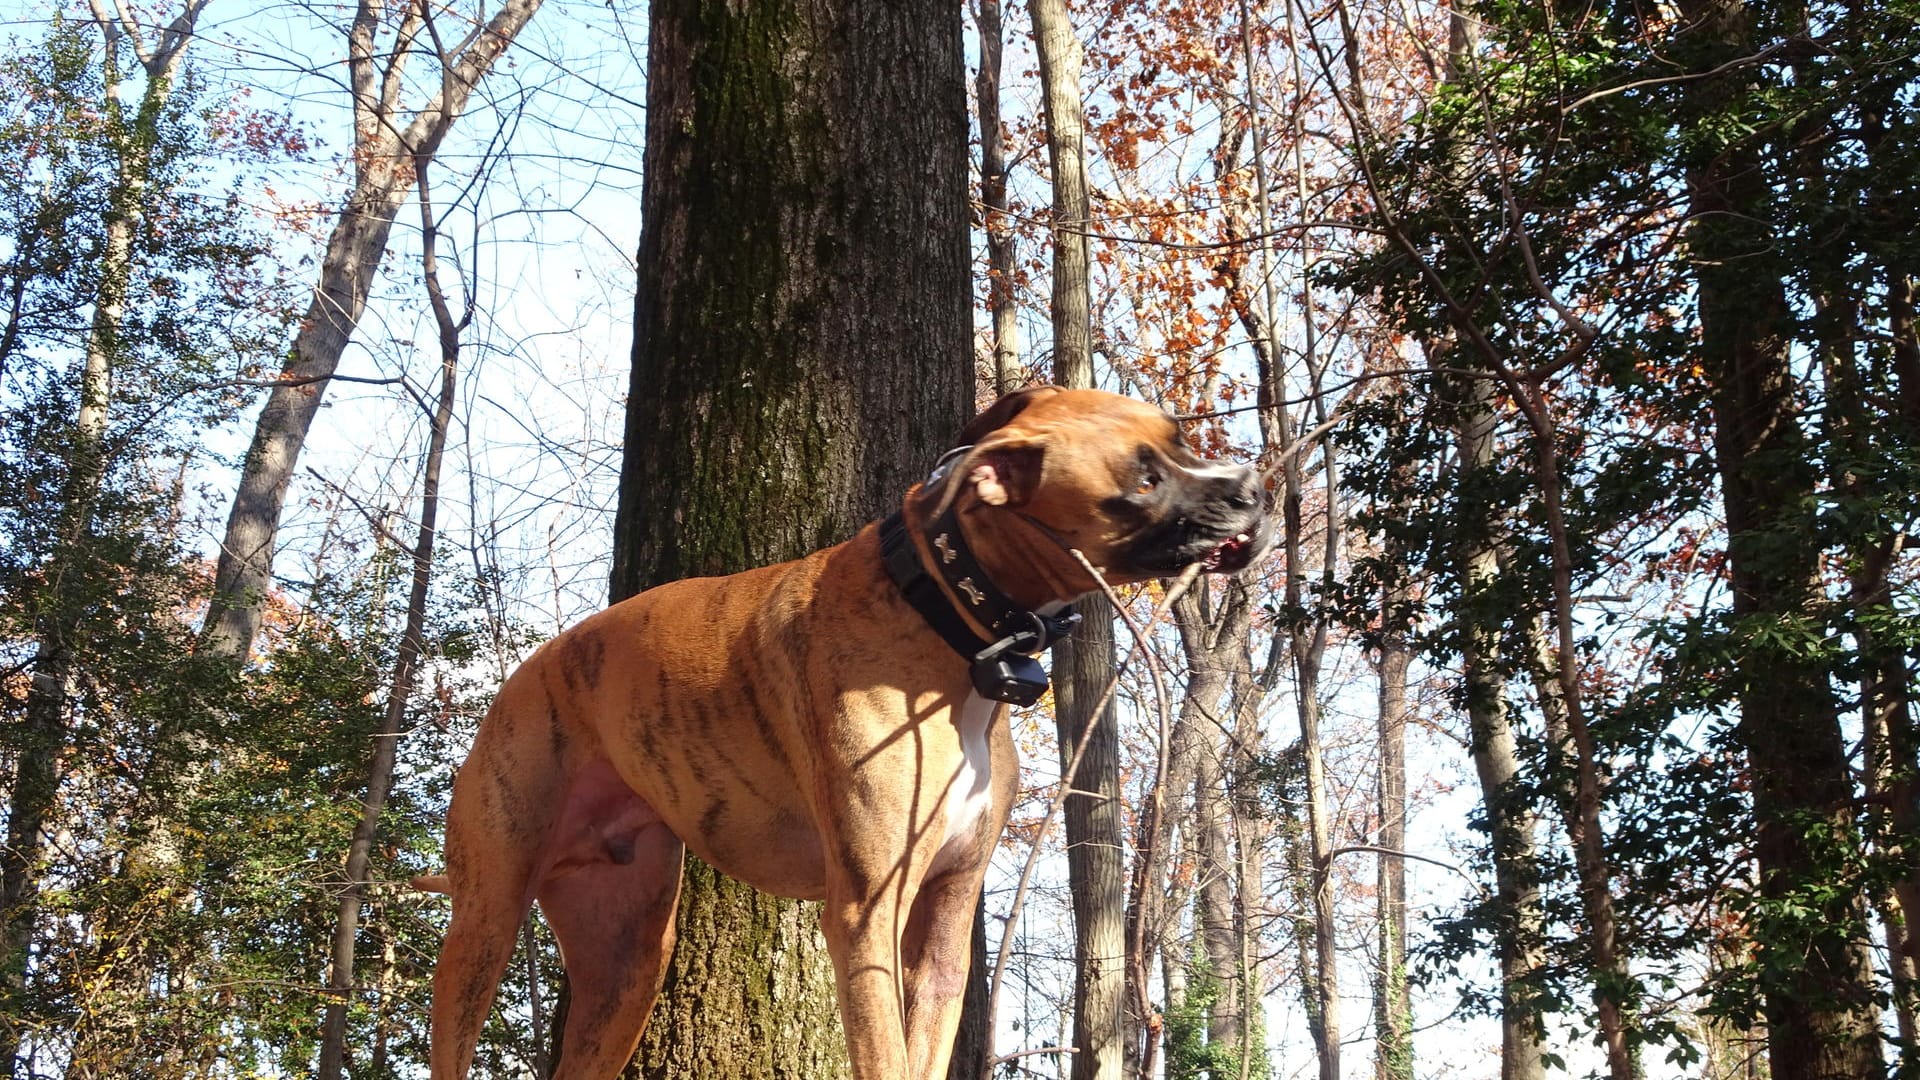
[938, 949]
[863, 936]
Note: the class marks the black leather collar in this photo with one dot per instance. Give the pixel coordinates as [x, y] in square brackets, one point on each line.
[1003, 668]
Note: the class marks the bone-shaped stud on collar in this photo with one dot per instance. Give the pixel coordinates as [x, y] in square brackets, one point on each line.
[974, 595]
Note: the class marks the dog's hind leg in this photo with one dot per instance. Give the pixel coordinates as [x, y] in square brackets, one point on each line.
[490, 898]
[505, 805]
[478, 944]
[611, 907]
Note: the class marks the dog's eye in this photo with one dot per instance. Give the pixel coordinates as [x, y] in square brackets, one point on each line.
[1148, 481]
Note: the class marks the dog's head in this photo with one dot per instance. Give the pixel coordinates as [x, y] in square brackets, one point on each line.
[1110, 476]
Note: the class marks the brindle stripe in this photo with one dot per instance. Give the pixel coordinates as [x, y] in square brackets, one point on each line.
[557, 737]
[643, 729]
[586, 653]
[662, 693]
[763, 724]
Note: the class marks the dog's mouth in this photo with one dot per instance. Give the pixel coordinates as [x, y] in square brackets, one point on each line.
[1222, 548]
[1231, 554]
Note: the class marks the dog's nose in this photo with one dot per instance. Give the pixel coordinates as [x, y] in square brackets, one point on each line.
[1245, 495]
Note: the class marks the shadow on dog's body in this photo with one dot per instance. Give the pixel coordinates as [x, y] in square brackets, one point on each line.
[803, 729]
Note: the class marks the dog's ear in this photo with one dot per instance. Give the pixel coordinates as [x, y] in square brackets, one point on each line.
[1001, 413]
[1006, 473]
[1004, 470]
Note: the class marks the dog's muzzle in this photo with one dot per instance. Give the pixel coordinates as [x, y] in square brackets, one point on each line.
[1222, 519]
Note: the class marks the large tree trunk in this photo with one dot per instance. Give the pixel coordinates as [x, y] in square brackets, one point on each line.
[802, 354]
[1821, 1017]
[1096, 855]
[386, 146]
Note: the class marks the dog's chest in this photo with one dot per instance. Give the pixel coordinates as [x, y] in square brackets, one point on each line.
[970, 793]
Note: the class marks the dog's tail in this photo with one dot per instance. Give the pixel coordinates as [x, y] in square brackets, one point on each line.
[433, 883]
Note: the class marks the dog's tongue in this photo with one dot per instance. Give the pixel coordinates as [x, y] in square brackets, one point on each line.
[1227, 550]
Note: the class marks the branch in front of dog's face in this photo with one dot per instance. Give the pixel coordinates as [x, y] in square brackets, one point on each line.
[1302, 444]
[1141, 643]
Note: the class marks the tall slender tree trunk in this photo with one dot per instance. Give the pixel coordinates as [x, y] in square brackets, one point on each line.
[1213, 917]
[802, 355]
[1253, 830]
[1511, 822]
[974, 1042]
[406, 665]
[1096, 857]
[1886, 683]
[1214, 638]
[1574, 765]
[1495, 751]
[1819, 987]
[1392, 1009]
[1306, 638]
[1001, 304]
[44, 739]
[386, 148]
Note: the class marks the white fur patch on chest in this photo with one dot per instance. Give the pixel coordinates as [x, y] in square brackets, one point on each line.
[970, 793]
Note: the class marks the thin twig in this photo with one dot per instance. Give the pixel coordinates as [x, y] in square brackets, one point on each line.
[1174, 592]
[1017, 1054]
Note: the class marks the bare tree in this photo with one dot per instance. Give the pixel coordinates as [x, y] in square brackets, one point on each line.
[387, 149]
[406, 665]
[1307, 637]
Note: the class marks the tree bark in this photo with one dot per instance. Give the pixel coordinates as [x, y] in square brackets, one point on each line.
[1495, 753]
[1213, 916]
[1060, 57]
[1393, 1011]
[1890, 734]
[1084, 663]
[993, 202]
[1819, 987]
[802, 355]
[386, 146]
[1096, 857]
[1215, 643]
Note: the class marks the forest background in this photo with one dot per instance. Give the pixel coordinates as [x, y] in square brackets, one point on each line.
[1570, 728]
